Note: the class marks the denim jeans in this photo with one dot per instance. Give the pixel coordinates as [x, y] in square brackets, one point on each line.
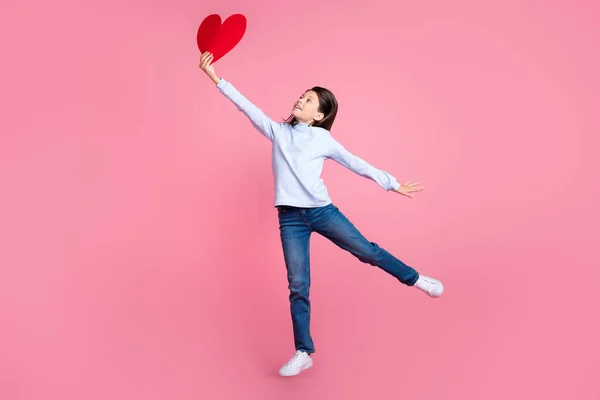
[295, 226]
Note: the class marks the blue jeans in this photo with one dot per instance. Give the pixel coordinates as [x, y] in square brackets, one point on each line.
[296, 226]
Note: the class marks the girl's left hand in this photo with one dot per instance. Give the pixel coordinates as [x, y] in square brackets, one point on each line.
[410, 187]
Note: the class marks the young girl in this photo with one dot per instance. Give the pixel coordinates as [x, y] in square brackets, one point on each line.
[300, 145]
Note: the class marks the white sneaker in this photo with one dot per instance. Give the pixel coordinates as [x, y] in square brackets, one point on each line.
[432, 287]
[297, 364]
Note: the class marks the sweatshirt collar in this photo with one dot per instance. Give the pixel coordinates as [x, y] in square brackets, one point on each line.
[302, 127]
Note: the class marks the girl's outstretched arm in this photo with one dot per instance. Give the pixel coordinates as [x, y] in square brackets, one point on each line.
[257, 117]
[338, 153]
[359, 166]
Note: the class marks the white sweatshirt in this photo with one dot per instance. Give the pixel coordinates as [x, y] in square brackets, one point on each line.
[298, 153]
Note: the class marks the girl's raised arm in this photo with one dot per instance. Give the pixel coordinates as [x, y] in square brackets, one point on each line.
[257, 117]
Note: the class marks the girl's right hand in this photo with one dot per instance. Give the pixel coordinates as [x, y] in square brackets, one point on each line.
[205, 65]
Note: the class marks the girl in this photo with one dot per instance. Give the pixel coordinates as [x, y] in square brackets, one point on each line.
[300, 145]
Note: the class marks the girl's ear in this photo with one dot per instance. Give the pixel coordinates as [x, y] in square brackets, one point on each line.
[319, 116]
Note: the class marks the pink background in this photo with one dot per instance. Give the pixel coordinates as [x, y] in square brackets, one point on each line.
[140, 254]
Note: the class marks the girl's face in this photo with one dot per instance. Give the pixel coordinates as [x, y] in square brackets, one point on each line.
[306, 108]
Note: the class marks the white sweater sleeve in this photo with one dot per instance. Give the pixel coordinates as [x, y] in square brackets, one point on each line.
[257, 117]
[359, 166]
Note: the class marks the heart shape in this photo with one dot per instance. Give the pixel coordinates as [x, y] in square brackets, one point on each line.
[220, 39]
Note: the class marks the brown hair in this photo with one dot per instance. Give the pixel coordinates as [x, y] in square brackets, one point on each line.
[328, 105]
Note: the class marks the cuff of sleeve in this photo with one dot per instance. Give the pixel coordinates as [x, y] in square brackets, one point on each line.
[395, 185]
[222, 83]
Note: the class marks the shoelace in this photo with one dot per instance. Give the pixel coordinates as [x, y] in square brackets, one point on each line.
[427, 285]
[294, 359]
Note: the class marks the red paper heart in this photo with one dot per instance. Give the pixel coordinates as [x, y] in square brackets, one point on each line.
[220, 39]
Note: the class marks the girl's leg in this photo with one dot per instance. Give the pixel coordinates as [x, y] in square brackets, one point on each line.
[295, 240]
[331, 223]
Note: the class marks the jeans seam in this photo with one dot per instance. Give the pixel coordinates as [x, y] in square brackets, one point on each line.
[306, 221]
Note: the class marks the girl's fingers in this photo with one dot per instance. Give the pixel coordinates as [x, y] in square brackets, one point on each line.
[206, 59]
[205, 56]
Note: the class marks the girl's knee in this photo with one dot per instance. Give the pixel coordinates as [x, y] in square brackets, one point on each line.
[298, 286]
[371, 254]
